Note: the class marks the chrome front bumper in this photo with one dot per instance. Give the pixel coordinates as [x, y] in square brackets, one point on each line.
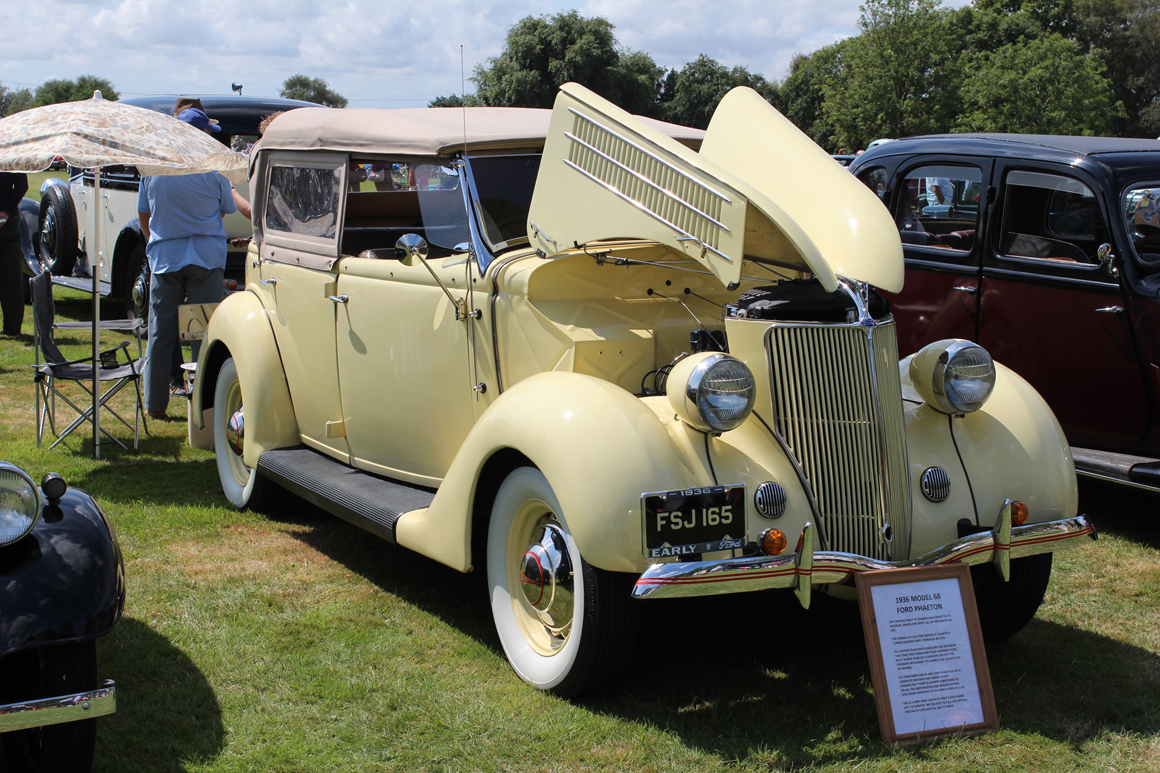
[805, 568]
[63, 708]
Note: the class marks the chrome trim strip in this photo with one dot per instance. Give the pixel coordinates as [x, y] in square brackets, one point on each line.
[682, 232]
[653, 185]
[1117, 481]
[737, 575]
[649, 153]
[64, 708]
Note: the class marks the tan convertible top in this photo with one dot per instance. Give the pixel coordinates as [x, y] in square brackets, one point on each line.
[424, 131]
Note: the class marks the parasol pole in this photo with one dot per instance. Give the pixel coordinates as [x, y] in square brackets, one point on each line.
[95, 270]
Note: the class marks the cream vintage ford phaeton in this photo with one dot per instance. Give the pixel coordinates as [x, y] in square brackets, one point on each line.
[608, 360]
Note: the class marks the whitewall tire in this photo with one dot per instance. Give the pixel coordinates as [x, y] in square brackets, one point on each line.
[241, 485]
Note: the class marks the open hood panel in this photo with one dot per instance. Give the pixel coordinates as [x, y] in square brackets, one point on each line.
[606, 175]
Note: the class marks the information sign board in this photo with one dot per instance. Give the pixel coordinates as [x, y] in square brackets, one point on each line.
[927, 660]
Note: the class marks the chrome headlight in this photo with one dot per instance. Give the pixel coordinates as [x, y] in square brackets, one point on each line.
[19, 503]
[712, 391]
[953, 376]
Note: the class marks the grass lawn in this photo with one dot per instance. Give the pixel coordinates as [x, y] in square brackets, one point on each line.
[290, 641]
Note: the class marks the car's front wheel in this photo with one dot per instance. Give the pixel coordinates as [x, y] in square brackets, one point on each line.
[60, 669]
[1006, 607]
[241, 484]
[565, 625]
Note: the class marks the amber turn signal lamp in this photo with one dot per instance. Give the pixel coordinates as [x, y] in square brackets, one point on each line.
[1018, 513]
[772, 542]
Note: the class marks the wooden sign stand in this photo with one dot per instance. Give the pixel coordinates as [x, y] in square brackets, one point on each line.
[927, 661]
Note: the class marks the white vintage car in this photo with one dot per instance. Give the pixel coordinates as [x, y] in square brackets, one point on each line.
[608, 360]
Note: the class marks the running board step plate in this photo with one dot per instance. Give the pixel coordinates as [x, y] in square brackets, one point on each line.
[366, 500]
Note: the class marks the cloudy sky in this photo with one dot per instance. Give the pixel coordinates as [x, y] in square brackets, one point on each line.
[384, 53]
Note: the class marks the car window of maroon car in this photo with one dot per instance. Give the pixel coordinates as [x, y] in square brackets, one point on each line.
[1050, 217]
[1142, 220]
[939, 207]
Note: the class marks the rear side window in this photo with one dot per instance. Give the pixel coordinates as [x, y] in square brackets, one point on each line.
[1050, 217]
[874, 178]
[939, 207]
[304, 200]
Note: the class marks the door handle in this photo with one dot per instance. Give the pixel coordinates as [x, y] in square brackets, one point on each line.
[338, 298]
[1112, 309]
[267, 282]
[966, 289]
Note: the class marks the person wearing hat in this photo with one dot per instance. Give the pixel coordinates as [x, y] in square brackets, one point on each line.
[181, 219]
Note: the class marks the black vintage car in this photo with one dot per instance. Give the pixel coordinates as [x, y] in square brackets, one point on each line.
[1045, 250]
[62, 587]
[66, 244]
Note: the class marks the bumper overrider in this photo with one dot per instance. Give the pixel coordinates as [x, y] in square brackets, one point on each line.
[806, 567]
[63, 708]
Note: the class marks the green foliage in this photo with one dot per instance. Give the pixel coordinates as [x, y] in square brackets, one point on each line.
[802, 95]
[544, 52]
[312, 90]
[451, 100]
[894, 79]
[1044, 86]
[690, 96]
[54, 92]
[14, 101]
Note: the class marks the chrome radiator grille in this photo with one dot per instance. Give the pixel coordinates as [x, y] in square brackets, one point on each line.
[837, 406]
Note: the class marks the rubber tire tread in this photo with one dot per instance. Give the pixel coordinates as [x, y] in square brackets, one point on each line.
[1006, 607]
[66, 230]
[611, 623]
[136, 258]
[52, 670]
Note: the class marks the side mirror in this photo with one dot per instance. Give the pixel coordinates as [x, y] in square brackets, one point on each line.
[1107, 259]
[409, 247]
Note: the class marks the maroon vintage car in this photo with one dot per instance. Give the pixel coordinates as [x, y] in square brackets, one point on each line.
[1046, 251]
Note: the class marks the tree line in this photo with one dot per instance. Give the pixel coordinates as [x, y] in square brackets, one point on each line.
[915, 67]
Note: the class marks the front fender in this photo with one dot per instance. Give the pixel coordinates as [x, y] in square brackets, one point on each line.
[240, 328]
[600, 449]
[63, 582]
[1011, 448]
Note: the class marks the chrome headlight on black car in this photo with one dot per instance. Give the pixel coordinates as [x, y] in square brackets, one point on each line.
[953, 376]
[712, 391]
[19, 504]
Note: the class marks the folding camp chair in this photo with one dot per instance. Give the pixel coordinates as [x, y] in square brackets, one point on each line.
[56, 370]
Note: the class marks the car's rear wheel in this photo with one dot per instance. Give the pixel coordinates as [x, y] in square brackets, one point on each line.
[58, 231]
[565, 625]
[1006, 607]
[242, 485]
[134, 290]
[60, 669]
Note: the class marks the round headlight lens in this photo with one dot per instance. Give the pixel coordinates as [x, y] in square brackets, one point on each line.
[19, 504]
[722, 390]
[967, 378]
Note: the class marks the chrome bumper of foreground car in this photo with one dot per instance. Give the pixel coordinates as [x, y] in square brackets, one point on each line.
[805, 568]
[63, 708]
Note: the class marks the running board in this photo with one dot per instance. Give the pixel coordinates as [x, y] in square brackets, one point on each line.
[85, 285]
[365, 500]
[1138, 471]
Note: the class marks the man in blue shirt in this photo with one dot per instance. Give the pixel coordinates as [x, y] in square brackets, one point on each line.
[181, 218]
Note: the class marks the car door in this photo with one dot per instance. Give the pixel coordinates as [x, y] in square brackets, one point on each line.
[937, 203]
[299, 248]
[404, 361]
[1051, 312]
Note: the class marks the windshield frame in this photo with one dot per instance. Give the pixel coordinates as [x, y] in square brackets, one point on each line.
[486, 250]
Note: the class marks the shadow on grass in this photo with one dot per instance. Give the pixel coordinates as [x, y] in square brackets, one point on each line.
[181, 484]
[1131, 513]
[755, 677]
[167, 715]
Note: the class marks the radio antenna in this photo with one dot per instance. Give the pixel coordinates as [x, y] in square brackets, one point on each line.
[463, 102]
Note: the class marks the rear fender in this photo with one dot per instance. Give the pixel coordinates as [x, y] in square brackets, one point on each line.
[63, 582]
[239, 328]
[600, 449]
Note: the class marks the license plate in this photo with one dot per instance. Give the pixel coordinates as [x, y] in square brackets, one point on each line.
[699, 520]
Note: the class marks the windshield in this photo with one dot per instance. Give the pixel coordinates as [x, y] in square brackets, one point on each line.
[503, 189]
[1142, 220]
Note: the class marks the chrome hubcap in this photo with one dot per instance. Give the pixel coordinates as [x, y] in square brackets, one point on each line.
[236, 431]
[546, 577]
[140, 293]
